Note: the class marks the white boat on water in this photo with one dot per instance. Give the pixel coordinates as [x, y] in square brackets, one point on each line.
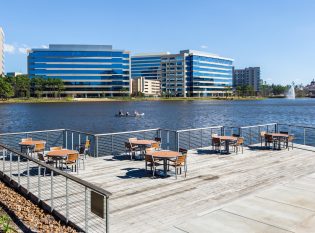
[130, 115]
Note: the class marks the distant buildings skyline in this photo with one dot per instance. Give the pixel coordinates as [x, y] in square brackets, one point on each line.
[148, 87]
[188, 73]
[98, 70]
[249, 76]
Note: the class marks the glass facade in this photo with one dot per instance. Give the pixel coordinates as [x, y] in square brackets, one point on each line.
[85, 69]
[194, 73]
[147, 66]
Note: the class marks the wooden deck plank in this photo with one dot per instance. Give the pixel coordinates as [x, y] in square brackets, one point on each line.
[212, 180]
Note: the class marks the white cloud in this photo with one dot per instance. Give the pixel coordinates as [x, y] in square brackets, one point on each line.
[9, 48]
[204, 46]
[23, 50]
[44, 46]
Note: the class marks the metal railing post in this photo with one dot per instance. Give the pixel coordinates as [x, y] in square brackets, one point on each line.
[19, 179]
[168, 139]
[52, 191]
[79, 143]
[71, 140]
[250, 136]
[10, 165]
[96, 146]
[67, 200]
[177, 140]
[47, 139]
[39, 190]
[66, 133]
[28, 175]
[107, 215]
[188, 139]
[86, 210]
[4, 153]
[304, 136]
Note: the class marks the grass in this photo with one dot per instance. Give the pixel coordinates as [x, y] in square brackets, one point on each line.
[6, 223]
[70, 99]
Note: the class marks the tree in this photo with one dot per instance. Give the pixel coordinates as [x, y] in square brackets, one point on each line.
[21, 85]
[6, 90]
[58, 86]
[124, 91]
[37, 86]
[228, 90]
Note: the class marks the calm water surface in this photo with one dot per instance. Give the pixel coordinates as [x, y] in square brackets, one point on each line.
[100, 117]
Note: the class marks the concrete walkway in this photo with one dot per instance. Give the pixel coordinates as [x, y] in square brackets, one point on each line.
[284, 208]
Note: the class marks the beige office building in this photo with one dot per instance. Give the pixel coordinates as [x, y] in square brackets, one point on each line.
[146, 86]
[1, 52]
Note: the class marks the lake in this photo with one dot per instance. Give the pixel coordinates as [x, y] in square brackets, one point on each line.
[99, 117]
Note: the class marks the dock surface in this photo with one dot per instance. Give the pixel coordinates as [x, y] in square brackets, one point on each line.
[257, 191]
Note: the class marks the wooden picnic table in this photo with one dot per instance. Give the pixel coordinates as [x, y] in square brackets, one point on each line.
[227, 140]
[142, 142]
[279, 136]
[60, 154]
[30, 144]
[165, 155]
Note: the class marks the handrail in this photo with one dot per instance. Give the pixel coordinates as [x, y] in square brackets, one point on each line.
[210, 127]
[126, 132]
[252, 126]
[80, 132]
[300, 126]
[29, 132]
[62, 173]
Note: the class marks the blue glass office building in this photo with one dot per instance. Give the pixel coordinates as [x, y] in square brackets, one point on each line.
[87, 70]
[146, 65]
[193, 73]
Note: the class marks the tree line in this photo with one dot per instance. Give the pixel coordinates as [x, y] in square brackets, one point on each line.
[22, 86]
[271, 90]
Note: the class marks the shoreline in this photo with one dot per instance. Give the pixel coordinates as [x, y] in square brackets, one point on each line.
[122, 99]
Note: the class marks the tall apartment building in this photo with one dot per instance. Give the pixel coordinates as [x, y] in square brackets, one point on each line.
[147, 65]
[87, 70]
[247, 77]
[194, 74]
[149, 87]
[1, 52]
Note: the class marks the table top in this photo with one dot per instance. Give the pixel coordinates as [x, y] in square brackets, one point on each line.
[142, 142]
[32, 143]
[61, 153]
[165, 154]
[278, 134]
[227, 138]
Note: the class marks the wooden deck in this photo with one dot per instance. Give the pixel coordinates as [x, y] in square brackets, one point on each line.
[142, 204]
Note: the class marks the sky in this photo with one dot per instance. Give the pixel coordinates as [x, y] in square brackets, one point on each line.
[277, 35]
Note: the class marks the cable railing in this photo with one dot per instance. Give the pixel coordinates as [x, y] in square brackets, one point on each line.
[75, 201]
[52, 138]
[114, 143]
[197, 138]
[302, 134]
[251, 134]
